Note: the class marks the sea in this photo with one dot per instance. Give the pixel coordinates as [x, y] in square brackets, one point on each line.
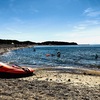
[66, 56]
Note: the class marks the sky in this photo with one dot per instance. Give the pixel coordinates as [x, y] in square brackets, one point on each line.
[50, 20]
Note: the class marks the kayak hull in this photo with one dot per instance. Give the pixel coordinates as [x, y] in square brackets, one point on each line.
[13, 75]
[14, 71]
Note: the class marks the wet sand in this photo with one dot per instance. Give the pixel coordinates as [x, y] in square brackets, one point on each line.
[52, 84]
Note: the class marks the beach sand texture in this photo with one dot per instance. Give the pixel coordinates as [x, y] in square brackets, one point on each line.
[51, 85]
[64, 77]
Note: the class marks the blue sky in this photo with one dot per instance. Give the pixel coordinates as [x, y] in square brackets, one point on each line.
[51, 20]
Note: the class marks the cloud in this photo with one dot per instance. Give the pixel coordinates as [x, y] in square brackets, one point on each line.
[86, 24]
[33, 9]
[92, 22]
[88, 10]
[79, 27]
[13, 30]
[87, 36]
[17, 20]
[91, 12]
[83, 36]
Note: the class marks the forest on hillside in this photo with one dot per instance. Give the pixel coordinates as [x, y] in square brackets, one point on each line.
[16, 42]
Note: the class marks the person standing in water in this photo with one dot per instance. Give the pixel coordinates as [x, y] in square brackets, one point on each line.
[34, 49]
[96, 56]
[58, 54]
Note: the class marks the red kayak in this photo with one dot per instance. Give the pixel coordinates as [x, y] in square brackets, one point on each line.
[14, 71]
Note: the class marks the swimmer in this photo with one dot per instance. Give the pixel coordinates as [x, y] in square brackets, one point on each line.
[58, 54]
[96, 56]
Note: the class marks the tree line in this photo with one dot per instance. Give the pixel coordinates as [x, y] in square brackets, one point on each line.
[16, 42]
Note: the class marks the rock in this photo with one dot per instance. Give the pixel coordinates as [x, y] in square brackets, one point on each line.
[69, 80]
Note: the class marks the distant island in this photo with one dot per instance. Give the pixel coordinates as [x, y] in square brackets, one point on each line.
[57, 43]
[16, 42]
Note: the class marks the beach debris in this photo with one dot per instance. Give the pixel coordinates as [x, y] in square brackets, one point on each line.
[46, 79]
[69, 80]
[50, 79]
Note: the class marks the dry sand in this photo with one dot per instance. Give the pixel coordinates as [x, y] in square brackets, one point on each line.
[51, 85]
[64, 77]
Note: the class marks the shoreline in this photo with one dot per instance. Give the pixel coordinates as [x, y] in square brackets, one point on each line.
[7, 48]
[52, 84]
[52, 75]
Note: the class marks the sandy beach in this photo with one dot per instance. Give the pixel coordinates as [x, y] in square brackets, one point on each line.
[52, 84]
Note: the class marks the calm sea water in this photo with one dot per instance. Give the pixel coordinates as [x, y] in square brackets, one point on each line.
[82, 56]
